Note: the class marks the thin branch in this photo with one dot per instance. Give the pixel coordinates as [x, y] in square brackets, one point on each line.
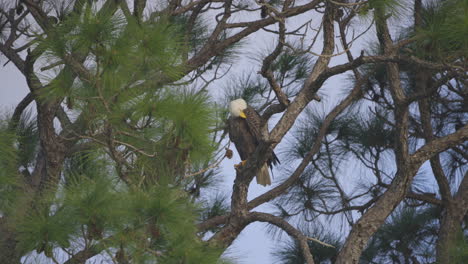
[293, 232]
[438, 145]
[214, 165]
[15, 118]
[348, 4]
[320, 242]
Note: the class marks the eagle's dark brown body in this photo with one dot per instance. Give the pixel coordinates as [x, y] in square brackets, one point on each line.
[245, 133]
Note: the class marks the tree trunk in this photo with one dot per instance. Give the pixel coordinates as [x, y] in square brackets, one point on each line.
[449, 228]
[450, 224]
[8, 253]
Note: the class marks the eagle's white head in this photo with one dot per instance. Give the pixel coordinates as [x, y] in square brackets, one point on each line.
[236, 107]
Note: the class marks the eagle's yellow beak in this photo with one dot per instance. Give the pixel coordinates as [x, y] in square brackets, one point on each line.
[242, 114]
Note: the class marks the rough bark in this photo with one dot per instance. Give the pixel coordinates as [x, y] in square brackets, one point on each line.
[450, 225]
[370, 222]
[8, 253]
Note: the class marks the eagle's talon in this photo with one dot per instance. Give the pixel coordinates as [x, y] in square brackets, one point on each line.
[242, 163]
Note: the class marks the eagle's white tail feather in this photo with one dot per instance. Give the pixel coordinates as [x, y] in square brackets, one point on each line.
[263, 176]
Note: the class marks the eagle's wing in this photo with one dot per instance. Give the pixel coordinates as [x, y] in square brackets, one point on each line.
[254, 121]
[241, 136]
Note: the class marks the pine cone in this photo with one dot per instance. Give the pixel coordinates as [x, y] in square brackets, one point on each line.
[229, 153]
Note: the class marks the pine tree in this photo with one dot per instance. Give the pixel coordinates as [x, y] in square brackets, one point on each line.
[417, 230]
[120, 188]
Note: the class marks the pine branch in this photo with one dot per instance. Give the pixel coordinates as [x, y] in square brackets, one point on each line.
[439, 145]
[293, 232]
[15, 118]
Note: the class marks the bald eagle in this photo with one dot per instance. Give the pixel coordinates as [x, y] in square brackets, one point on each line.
[244, 130]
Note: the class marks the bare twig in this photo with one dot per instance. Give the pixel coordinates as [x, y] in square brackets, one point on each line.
[320, 242]
[214, 165]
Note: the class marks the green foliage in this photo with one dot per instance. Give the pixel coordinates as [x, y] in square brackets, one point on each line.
[123, 189]
[389, 7]
[28, 139]
[213, 207]
[92, 201]
[443, 34]
[459, 252]
[227, 57]
[206, 180]
[290, 70]
[356, 131]
[189, 116]
[83, 30]
[18, 147]
[408, 231]
[307, 196]
[42, 230]
[8, 161]
[127, 59]
[292, 67]
[198, 30]
[352, 129]
[324, 253]
[274, 2]
[248, 87]
[152, 224]
[8, 152]
[367, 133]
[129, 63]
[291, 253]
[454, 166]
[170, 218]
